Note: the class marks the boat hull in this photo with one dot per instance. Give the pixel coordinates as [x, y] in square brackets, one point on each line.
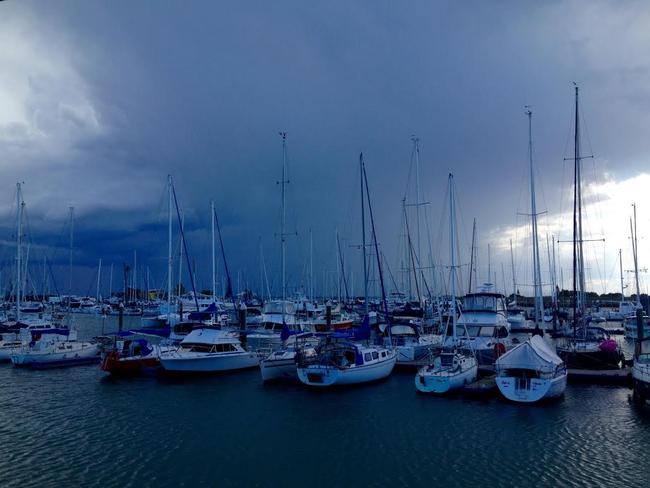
[279, 369]
[208, 363]
[430, 382]
[530, 390]
[43, 360]
[324, 375]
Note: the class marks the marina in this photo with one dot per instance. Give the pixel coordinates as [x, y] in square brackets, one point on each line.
[324, 244]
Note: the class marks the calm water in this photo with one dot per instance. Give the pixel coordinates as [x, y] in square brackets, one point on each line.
[77, 426]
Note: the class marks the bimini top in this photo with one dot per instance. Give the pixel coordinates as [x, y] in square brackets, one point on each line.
[210, 336]
[534, 354]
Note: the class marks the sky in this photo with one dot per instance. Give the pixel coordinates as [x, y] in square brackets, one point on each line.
[100, 101]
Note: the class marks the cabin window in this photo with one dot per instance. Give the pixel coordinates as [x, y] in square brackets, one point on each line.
[367, 357]
[375, 355]
[383, 354]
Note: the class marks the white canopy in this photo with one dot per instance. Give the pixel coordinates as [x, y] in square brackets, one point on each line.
[534, 354]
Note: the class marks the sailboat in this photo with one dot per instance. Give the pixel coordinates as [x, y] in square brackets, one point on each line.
[277, 313]
[530, 372]
[631, 327]
[346, 357]
[454, 367]
[641, 369]
[589, 347]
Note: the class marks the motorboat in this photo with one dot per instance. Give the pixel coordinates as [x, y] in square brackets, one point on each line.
[530, 372]
[282, 364]
[411, 346]
[208, 350]
[342, 362]
[276, 314]
[484, 321]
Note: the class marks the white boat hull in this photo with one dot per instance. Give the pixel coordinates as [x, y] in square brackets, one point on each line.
[321, 375]
[278, 369]
[444, 381]
[529, 390]
[60, 355]
[208, 363]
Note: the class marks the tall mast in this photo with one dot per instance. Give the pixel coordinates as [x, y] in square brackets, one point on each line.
[363, 238]
[135, 275]
[110, 283]
[19, 244]
[620, 264]
[537, 280]
[514, 279]
[214, 263]
[71, 249]
[471, 259]
[282, 231]
[636, 258]
[311, 266]
[170, 257]
[452, 242]
[99, 276]
[416, 143]
[578, 255]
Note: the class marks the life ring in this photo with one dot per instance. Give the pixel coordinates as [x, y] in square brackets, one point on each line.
[499, 349]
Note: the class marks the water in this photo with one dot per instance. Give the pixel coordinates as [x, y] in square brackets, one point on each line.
[76, 426]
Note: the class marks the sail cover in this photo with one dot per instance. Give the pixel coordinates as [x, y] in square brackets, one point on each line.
[534, 354]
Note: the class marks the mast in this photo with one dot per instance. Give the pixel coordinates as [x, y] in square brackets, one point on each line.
[110, 283]
[471, 258]
[514, 280]
[577, 222]
[214, 262]
[620, 265]
[282, 231]
[311, 266]
[71, 249]
[99, 276]
[452, 243]
[489, 275]
[537, 280]
[636, 260]
[170, 257]
[19, 244]
[363, 238]
[135, 275]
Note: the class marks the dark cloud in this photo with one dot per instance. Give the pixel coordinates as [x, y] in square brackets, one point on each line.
[117, 95]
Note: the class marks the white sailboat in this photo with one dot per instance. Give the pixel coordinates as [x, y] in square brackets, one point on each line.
[530, 372]
[282, 364]
[454, 367]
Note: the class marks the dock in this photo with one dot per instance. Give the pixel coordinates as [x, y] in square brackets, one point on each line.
[622, 377]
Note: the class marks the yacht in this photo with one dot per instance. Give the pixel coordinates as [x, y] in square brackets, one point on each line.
[485, 319]
[282, 364]
[267, 337]
[345, 363]
[590, 348]
[457, 366]
[631, 331]
[641, 372]
[530, 372]
[208, 350]
[50, 352]
[411, 346]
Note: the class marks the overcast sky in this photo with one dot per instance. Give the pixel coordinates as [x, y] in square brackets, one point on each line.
[99, 101]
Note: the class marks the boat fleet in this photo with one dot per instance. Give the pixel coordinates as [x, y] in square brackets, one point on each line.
[456, 341]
